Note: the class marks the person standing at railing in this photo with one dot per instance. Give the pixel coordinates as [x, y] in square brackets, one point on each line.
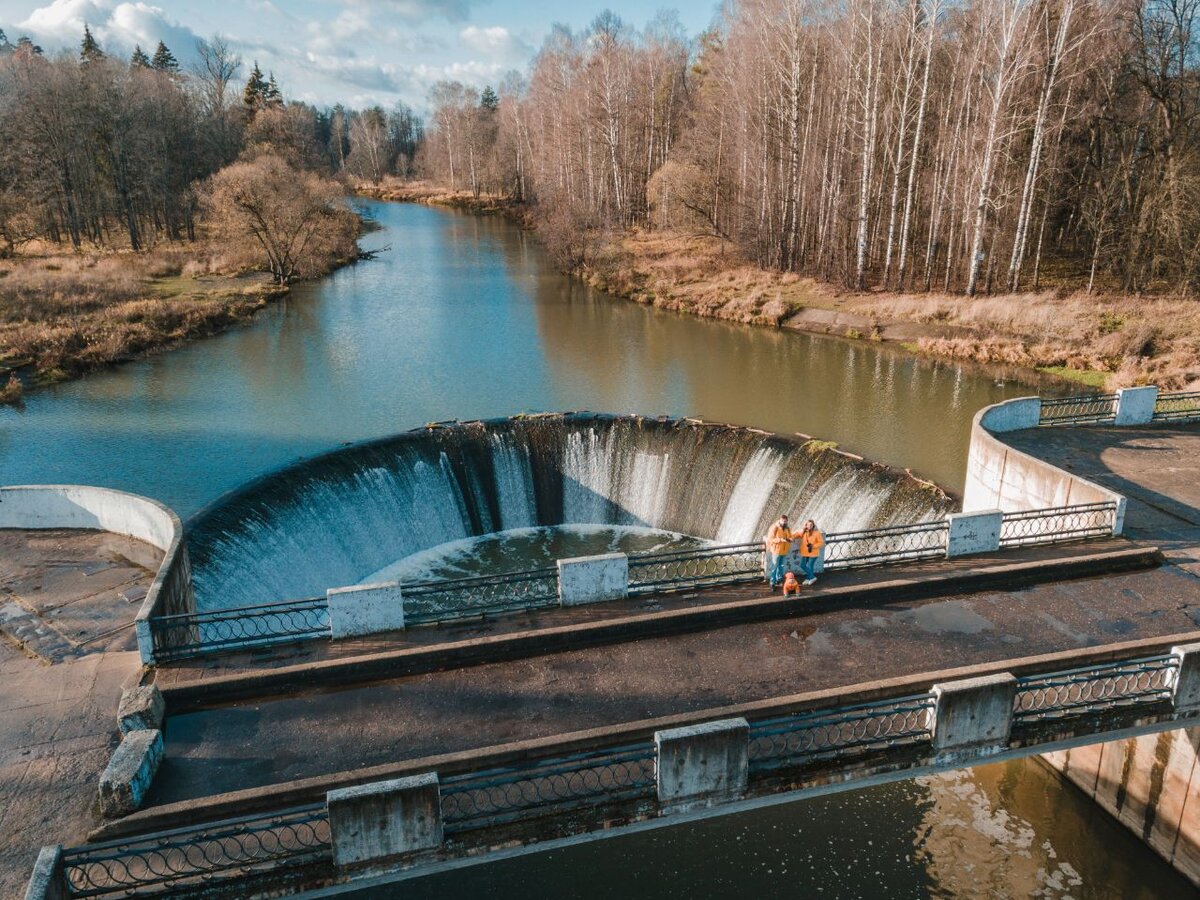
[778, 542]
[811, 541]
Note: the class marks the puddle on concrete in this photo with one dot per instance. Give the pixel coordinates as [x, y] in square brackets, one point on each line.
[951, 617]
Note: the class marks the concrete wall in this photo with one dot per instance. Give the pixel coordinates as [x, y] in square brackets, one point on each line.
[41, 506]
[1151, 784]
[1000, 477]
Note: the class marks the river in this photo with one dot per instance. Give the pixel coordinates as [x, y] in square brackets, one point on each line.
[464, 318]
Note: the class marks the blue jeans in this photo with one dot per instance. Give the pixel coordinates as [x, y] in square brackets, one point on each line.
[808, 565]
[778, 567]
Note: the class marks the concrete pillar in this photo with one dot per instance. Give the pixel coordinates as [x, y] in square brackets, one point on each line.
[1135, 406]
[1187, 682]
[591, 579]
[373, 823]
[48, 881]
[974, 715]
[141, 709]
[702, 765]
[125, 781]
[974, 532]
[145, 640]
[365, 609]
[1013, 415]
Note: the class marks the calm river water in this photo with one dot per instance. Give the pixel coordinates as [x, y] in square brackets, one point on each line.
[463, 318]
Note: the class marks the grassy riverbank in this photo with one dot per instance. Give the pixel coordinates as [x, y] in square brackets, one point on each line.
[65, 314]
[1100, 341]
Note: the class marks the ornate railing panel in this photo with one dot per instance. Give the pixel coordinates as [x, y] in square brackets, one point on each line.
[461, 598]
[538, 787]
[1095, 689]
[220, 630]
[172, 859]
[1089, 409]
[875, 546]
[1178, 407]
[1058, 525]
[701, 567]
[828, 734]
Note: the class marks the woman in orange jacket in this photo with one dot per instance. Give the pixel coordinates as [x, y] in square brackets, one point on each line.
[777, 542]
[811, 541]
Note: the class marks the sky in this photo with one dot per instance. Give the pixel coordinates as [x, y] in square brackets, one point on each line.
[357, 52]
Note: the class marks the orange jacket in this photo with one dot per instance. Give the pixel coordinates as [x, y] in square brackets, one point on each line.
[779, 539]
[810, 543]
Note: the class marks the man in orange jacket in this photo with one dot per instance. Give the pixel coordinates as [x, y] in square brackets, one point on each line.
[778, 542]
[811, 541]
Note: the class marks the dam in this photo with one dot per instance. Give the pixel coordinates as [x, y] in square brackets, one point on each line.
[287, 397]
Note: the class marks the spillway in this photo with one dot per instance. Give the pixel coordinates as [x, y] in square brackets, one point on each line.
[337, 518]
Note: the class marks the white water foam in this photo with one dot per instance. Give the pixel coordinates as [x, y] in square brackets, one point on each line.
[749, 498]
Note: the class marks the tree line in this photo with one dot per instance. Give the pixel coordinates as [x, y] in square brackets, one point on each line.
[102, 151]
[983, 145]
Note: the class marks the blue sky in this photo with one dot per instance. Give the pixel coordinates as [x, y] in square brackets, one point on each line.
[323, 51]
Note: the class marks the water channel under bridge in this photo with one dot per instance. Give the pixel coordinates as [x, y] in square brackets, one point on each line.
[832, 696]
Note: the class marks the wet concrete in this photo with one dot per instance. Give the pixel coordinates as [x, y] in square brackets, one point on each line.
[257, 744]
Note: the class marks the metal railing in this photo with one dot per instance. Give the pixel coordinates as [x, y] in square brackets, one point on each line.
[1087, 409]
[218, 630]
[876, 546]
[1177, 407]
[832, 734]
[702, 567]
[1095, 689]
[170, 860]
[462, 598]
[537, 787]
[1058, 524]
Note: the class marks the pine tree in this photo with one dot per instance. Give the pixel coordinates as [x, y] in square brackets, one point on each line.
[25, 45]
[164, 60]
[139, 60]
[488, 99]
[89, 48]
[271, 94]
[254, 94]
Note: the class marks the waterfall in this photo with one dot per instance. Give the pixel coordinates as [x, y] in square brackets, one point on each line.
[364, 509]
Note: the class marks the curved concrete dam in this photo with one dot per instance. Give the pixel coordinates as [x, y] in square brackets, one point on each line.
[342, 517]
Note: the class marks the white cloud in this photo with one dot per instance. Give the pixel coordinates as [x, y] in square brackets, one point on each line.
[496, 43]
[118, 27]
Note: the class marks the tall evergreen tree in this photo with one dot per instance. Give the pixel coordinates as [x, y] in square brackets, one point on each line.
[488, 99]
[89, 47]
[139, 60]
[164, 60]
[256, 87]
[271, 94]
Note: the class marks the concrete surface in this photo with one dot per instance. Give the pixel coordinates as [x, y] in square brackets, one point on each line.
[593, 579]
[974, 713]
[969, 533]
[141, 708]
[365, 609]
[265, 742]
[372, 823]
[1135, 406]
[702, 764]
[129, 773]
[67, 593]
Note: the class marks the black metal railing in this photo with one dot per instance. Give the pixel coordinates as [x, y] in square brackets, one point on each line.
[461, 598]
[1058, 524]
[1095, 689]
[835, 733]
[1087, 409]
[701, 567]
[1177, 407]
[537, 787]
[206, 855]
[876, 546]
[220, 630]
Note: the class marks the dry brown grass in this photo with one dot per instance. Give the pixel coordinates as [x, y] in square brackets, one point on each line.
[416, 191]
[62, 315]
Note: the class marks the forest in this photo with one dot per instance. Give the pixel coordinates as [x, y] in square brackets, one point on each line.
[978, 147]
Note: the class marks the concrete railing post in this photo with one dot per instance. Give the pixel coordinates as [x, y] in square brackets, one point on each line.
[973, 716]
[145, 640]
[365, 609]
[973, 532]
[141, 709]
[591, 579]
[702, 765]
[1013, 415]
[1186, 691]
[127, 778]
[375, 823]
[1135, 406]
[49, 880]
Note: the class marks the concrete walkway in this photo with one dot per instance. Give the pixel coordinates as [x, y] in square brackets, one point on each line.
[66, 600]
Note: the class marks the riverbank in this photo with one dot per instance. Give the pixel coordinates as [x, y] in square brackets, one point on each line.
[65, 314]
[1100, 341]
